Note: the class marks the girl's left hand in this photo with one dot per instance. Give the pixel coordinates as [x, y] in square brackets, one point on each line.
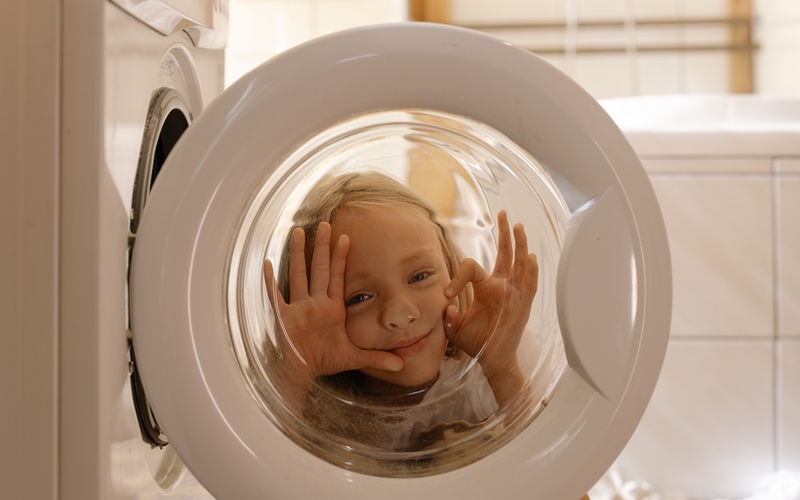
[493, 325]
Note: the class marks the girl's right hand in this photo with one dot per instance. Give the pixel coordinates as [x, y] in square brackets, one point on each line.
[312, 340]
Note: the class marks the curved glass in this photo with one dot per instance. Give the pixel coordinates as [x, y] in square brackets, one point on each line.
[470, 172]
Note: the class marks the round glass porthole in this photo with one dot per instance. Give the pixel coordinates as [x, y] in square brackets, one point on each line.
[468, 172]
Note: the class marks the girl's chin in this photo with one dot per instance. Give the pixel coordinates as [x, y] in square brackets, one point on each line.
[401, 383]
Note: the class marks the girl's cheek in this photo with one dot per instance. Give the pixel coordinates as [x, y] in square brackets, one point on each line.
[353, 329]
[349, 330]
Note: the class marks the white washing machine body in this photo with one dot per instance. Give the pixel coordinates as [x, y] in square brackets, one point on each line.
[135, 74]
[610, 278]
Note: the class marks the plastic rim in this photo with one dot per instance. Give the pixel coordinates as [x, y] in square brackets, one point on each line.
[178, 310]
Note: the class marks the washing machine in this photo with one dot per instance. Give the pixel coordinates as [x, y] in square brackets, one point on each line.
[169, 198]
[477, 125]
[135, 76]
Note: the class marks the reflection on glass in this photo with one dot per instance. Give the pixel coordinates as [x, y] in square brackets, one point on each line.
[375, 343]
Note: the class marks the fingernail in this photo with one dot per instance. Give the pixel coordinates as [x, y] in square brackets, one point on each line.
[394, 365]
[449, 292]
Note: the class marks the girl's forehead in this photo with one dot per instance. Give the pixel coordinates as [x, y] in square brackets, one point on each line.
[385, 225]
[386, 215]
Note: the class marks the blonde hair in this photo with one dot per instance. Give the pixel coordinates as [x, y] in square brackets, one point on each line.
[365, 189]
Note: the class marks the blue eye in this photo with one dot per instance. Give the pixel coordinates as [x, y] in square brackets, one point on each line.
[356, 299]
[419, 277]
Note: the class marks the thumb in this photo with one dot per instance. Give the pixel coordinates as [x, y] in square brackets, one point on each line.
[378, 360]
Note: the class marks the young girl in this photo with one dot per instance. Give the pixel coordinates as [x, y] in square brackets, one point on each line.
[380, 316]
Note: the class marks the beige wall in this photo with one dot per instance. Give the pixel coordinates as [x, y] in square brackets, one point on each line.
[29, 236]
[776, 29]
[778, 32]
[261, 29]
[625, 72]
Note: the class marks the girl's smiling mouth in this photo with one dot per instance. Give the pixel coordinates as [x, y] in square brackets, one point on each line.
[410, 347]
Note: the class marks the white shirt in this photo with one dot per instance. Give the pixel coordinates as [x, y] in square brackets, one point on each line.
[461, 394]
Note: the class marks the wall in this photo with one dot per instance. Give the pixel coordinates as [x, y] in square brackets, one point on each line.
[725, 413]
[264, 28]
[778, 64]
[29, 236]
[776, 33]
[267, 27]
[605, 60]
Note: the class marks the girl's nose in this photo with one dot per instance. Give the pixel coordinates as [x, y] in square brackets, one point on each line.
[399, 315]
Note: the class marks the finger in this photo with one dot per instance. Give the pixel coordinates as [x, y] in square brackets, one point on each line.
[274, 295]
[298, 281]
[378, 360]
[468, 271]
[502, 265]
[531, 283]
[520, 254]
[321, 261]
[338, 262]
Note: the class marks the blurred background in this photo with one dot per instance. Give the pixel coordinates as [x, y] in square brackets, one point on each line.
[706, 92]
[612, 48]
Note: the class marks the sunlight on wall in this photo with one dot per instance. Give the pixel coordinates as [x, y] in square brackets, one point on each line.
[627, 59]
[261, 29]
[778, 34]
[604, 60]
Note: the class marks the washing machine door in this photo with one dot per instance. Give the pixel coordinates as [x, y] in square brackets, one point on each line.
[513, 133]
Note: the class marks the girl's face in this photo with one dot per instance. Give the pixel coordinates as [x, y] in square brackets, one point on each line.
[394, 285]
